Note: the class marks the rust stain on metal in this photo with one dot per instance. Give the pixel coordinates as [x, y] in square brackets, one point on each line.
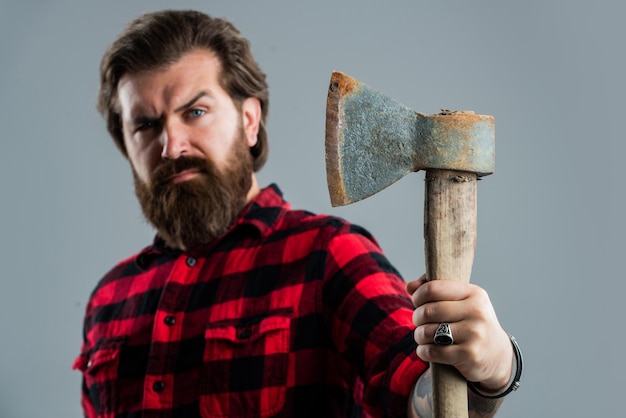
[343, 83]
[339, 87]
[457, 127]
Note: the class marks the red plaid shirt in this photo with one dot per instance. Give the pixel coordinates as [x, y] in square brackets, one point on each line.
[289, 314]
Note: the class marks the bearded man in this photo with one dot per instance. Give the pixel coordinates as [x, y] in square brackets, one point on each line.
[243, 307]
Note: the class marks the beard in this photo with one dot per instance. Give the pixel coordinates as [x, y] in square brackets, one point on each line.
[200, 209]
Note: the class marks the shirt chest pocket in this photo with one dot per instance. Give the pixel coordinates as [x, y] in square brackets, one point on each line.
[245, 365]
[99, 367]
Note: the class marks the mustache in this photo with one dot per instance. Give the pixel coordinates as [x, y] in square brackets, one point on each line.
[171, 168]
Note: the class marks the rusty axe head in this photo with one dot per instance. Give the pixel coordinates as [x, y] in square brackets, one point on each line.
[372, 141]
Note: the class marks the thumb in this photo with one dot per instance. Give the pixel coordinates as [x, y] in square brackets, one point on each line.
[412, 286]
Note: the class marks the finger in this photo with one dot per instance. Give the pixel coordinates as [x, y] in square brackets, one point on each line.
[441, 290]
[442, 354]
[437, 312]
[454, 354]
[412, 286]
[425, 334]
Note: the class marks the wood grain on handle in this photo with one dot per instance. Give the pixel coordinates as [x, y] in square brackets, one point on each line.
[450, 241]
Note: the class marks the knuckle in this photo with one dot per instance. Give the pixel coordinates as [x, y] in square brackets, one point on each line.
[480, 293]
[429, 311]
[472, 354]
[474, 333]
[423, 335]
[427, 289]
[425, 352]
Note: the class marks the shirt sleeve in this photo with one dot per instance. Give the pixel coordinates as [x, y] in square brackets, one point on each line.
[371, 321]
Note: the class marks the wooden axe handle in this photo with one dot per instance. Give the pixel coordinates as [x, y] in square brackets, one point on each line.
[450, 241]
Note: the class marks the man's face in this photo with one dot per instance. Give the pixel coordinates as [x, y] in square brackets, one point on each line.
[188, 145]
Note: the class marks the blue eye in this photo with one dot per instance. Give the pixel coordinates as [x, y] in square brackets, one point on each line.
[196, 113]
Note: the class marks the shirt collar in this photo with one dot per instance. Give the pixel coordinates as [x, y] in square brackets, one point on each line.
[265, 211]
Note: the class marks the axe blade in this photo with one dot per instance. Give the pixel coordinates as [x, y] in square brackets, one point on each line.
[372, 141]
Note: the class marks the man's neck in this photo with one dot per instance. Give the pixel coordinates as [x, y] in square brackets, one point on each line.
[254, 190]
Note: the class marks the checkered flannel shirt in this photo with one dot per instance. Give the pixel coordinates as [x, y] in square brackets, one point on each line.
[290, 314]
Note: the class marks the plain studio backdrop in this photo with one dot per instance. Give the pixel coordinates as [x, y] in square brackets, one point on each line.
[551, 219]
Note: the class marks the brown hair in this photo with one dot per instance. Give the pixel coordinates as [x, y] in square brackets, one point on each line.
[157, 40]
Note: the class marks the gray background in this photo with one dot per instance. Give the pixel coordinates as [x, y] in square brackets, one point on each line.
[551, 219]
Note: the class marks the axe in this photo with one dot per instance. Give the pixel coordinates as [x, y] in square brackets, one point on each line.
[372, 141]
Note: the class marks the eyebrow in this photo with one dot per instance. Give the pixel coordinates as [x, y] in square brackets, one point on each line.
[192, 101]
[140, 120]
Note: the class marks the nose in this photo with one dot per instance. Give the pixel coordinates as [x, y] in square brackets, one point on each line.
[174, 140]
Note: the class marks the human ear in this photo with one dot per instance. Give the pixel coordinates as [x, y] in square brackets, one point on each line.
[251, 118]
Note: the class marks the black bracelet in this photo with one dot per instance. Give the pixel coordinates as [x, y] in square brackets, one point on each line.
[515, 383]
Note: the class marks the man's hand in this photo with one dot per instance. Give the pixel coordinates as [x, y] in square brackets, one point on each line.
[481, 351]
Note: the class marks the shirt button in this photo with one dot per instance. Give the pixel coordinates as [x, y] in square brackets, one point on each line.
[169, 320]
[158, 386]
[245, 333]
[191, 261]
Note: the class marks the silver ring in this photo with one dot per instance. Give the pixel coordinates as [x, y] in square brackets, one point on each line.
[443, 335]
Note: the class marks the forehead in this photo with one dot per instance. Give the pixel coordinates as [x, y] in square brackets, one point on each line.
[197, 70]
